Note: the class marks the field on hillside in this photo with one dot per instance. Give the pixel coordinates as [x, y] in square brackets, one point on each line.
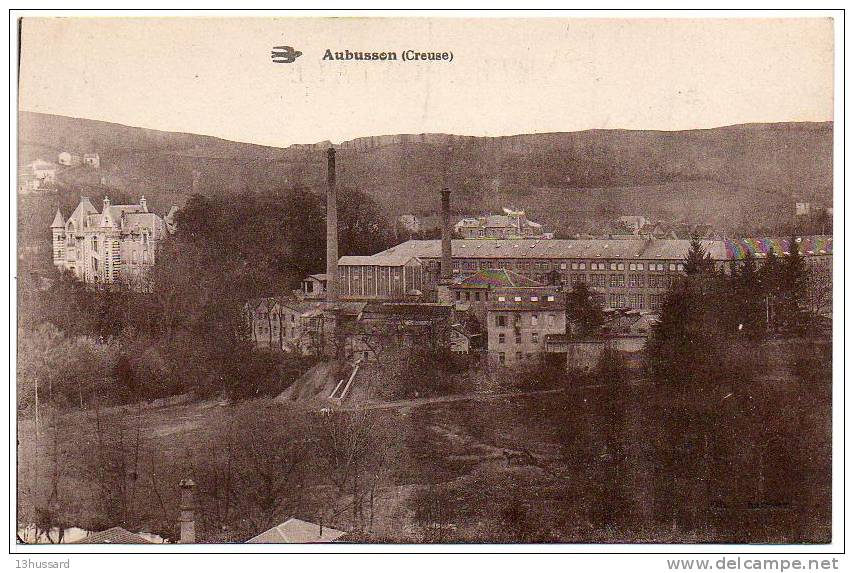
[583, 465]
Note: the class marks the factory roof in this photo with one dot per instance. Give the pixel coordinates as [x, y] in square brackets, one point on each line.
[492, 278]
[640, 249]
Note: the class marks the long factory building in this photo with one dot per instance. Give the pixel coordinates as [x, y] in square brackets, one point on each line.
[624, 273]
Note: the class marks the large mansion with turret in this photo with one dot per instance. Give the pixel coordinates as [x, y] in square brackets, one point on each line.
[117, 243]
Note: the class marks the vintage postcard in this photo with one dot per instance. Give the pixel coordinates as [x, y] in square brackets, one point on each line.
[377, 279]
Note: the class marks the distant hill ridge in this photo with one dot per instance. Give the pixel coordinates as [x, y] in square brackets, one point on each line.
[738, 178]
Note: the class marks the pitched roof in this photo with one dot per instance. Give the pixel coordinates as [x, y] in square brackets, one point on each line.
[498, 221]
[640, 249]
[492, 278]
[114, 535]
[83, 210]
[116, 211]
[468, 222]
[297, 531]
[58, 221]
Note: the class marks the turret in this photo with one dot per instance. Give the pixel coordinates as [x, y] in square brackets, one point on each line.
[58, 221]
[58, 232]
[143, 204]
[106, 203]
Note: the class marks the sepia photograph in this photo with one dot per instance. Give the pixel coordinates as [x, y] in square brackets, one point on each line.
[392, 280]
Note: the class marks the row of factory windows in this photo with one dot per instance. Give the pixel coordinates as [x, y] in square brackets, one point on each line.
[476, 297]
[502, 320]
[613, 300]
[619, 281]
[524, 265]
[630, 300]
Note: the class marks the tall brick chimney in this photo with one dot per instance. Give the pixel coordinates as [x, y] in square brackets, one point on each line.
[446, 269]
[331, 229]
[187, 520]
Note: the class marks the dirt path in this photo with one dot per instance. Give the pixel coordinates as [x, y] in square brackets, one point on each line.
[416, 402]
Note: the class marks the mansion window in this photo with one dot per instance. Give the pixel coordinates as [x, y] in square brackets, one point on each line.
[518, 339]
[535, 337]
[534, 319]
[501, 338]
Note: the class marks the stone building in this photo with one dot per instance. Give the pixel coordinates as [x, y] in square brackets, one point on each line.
[120, 242]
[512, 224]
[92, 160]
[68, 159]
[520, 318]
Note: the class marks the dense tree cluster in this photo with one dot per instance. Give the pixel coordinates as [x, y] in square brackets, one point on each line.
[186, 331]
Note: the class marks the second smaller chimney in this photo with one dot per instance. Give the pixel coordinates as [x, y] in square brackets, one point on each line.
[187, 519]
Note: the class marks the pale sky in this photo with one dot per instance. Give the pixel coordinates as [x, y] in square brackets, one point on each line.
[214, 76]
